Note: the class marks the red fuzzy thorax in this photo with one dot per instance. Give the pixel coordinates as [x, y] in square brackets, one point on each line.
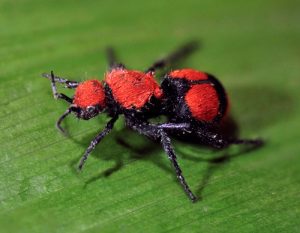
[189, 74]
[131, 88]
[89, 93]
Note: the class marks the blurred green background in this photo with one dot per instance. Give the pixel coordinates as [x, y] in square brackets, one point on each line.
[252, 46]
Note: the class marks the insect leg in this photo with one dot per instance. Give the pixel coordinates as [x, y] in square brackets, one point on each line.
[112, 59]
[173, 126]
[173, 57]
[166, 143]
[157, 132]
[96, 140]
[62, 117]
[254, 142]
[216, 140]
[148, 129]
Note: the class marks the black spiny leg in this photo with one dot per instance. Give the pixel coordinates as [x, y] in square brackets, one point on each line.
[112, 59]
[253, 142]
[62, 117]
[96, 140]
[68, 83]
[175, 56]
[166, 143]
[173, 126]
[216, 140]
[158, 132]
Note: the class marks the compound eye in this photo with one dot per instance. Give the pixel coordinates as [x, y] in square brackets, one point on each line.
[90, 109]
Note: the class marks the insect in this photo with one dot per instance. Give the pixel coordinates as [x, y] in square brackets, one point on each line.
[194, 102]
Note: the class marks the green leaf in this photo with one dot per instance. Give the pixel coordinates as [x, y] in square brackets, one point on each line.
[253, 47]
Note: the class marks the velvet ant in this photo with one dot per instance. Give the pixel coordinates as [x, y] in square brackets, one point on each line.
[194, 103]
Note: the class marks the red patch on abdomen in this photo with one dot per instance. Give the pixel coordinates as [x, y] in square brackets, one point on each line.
[132, 89]
[188, 74]
[203, 102]
[89, 93]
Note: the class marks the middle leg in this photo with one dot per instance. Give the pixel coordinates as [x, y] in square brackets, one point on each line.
[166, 143]
[157, 132]
[175, 56]
[112, 59]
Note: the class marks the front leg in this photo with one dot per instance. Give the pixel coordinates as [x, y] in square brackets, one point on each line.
[63, 116]
[96, 140]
